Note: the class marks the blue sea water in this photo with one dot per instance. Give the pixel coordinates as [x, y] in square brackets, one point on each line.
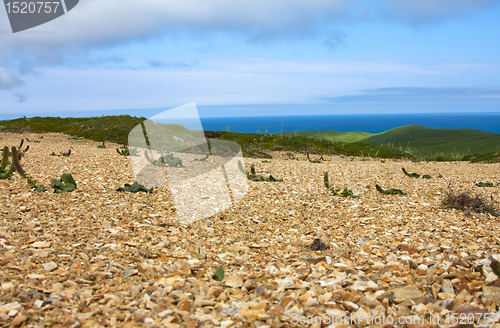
[371, 123]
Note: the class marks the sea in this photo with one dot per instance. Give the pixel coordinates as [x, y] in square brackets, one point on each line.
[371, 123]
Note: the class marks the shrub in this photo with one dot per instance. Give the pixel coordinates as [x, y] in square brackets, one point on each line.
[344, 193]
[135, 187]
[257, 177]
[65, 184]
[390, 191]
[463, 200]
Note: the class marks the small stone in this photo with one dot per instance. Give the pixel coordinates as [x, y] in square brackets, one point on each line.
[311, 301]
[234, 281]
[7, 285]
[18, 320]
[318, 245]
[50, 266]
[9, 307]
[36, 276]
[41, 244]
[129, 272]
[491, 294]
[350, 306]
[226, 323]
[363, 285]
[408, 293]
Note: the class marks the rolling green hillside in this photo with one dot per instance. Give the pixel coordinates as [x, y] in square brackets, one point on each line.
[351, 136]
[426, 142]
[117, 128]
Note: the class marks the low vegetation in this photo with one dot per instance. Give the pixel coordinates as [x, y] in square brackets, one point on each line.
[390, 191]
[125, 151]
[416, 175]
[257, 177]
[336, 192]
[464, 200]
[65, 184]
[135, 187]
[168, 160]
[61, 153]
[116, 129]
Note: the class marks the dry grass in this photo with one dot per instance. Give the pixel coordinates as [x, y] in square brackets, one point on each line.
[464, 200]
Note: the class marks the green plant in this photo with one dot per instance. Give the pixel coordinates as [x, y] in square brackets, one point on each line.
[135, 187]
[102, 146]
[169, 160]
[201, 159]
[412, 175]
[416, 175]
[65, 184]
[219, 274]
[255, 177]
[463, 200]
[391, 191]
[336, 192]
[15, 166]
[313, 161]
[4, 172]
[485, 184]
[62, 153]
[75, 137]
[127, 152]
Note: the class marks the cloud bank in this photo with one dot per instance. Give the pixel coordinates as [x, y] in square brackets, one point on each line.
[418, 93]
[97, 23]
[8, 80]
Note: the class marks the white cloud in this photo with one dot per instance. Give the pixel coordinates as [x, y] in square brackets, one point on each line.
[430, 11]
[8, 80]
[94, 23]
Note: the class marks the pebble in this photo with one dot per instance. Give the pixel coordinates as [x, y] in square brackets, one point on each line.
[96, 257]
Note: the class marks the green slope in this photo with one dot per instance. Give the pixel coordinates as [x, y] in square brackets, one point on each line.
[117, 128]
[426, 142]
[351, 136]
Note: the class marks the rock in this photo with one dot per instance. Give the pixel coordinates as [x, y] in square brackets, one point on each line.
[408, 293]
[50, 266]
[41, 244]
[406, 248]
[364, 284]
[18, 320]
[129, 272]
[318, 245]
[311, 301]
[350, 306]
[491, 294]
[233, 281]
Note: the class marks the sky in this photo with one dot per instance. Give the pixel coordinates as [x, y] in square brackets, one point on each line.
[260, 57]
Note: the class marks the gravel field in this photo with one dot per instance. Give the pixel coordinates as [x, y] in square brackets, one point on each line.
[96, 257]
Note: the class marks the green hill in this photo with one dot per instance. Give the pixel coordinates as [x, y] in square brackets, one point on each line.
[430, 143]
[117, 128]
[351, 136]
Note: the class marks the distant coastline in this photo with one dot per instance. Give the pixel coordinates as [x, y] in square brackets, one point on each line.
[371, 123]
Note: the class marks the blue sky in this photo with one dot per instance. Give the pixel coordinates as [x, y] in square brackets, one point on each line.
[240, 58]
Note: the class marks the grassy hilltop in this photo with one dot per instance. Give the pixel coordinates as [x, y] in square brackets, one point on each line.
[423, 142]
[117, 128]
[411, 141]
